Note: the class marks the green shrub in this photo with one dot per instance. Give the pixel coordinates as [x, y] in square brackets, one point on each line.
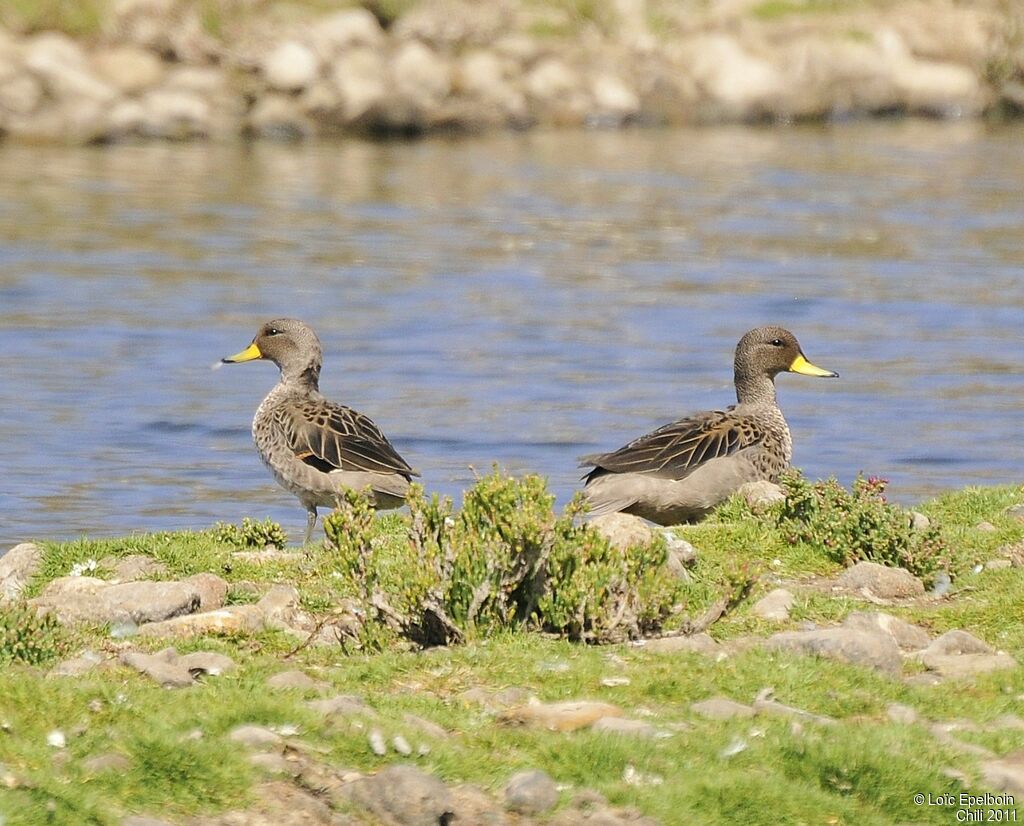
[857, 524]
[251, 534]
[30, 639]
[505, 560]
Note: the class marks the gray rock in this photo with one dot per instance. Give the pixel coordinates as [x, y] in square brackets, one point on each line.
[622, 530]
[17, 567]
[88, 600]
[697, 644]
[775, 605]
[844, 644]
[998, 564]
[902, 714]
[404, 795]
[919, 522]
[144, 820]
[761, 495]
[290, 66]
[1005, 774]
[967, 665]
[213, 590]
[721, 708]
[255, 737]
[680, 555]
[908, 637]
[132, 568]
[161, 668]
[1016, 512]
[401, 745]
[985, 527]
[206, 662]
[531, 793]
[625, 726]
[109, 761]
[292, 679]
[76, 666]
[343, 705]
[274, 764]
[958, 642]
[882, 581]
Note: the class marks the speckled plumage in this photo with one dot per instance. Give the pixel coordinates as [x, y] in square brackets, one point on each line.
[682, 470]
[313, 446]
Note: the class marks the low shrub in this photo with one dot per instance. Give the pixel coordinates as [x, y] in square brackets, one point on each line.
[251, 534]
[858, 524]
[28, 638]
[504, 560]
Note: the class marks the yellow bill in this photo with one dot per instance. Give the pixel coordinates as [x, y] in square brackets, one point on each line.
[248, 354]
[804, 367]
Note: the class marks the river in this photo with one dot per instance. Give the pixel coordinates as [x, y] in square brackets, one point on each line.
[519, 298]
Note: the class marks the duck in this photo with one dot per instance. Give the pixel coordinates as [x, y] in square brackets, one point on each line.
[681, 471]
[315, 447]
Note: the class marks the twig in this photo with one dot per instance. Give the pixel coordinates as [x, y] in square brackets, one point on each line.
[308, 641]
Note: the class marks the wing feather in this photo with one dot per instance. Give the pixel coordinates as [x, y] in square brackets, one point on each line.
[677, 449]
[331, 436]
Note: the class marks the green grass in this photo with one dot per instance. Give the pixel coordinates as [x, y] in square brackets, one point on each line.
[861, 770]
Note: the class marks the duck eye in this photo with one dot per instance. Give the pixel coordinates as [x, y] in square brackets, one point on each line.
[273, 331]
[776, 342]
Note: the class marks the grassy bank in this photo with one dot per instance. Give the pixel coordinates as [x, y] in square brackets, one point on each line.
[863, 769]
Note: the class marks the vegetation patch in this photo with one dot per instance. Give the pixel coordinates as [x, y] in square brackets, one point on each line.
[504, 561]
[858, 525]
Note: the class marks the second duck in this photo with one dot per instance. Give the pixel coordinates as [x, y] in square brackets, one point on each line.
[682, 470]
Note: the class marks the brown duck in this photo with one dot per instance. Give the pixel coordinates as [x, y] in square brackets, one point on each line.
[681, 471]
[311, 445]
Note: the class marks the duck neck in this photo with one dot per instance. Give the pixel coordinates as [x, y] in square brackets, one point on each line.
[755, 389]
[305, 378]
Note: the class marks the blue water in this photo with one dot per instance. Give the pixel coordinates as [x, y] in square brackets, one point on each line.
[520, 299]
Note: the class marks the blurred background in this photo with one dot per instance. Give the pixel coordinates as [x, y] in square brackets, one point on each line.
[524, 231]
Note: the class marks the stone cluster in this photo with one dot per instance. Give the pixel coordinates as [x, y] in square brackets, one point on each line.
[155, 72]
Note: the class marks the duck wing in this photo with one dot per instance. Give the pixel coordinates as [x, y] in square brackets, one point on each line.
[675, 450]
[331, 437]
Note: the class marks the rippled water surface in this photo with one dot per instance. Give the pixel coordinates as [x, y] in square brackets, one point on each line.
[521, 299]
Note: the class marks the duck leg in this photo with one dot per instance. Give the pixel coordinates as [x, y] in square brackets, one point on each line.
[310, 524]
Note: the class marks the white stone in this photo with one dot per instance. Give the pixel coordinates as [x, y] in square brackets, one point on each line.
[345, 29]
[613, 97]
[551, 79]
[173, 114]
[128, 69]
[421, 73]
[20, 94]
[291, 66]
[730, 76]
[60, 63]
[359, 76]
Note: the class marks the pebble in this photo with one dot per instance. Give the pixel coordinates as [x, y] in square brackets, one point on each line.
[377, 744]
[531, 793]
[401, 745]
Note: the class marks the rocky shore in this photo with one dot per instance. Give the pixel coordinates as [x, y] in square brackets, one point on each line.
[162, 69]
